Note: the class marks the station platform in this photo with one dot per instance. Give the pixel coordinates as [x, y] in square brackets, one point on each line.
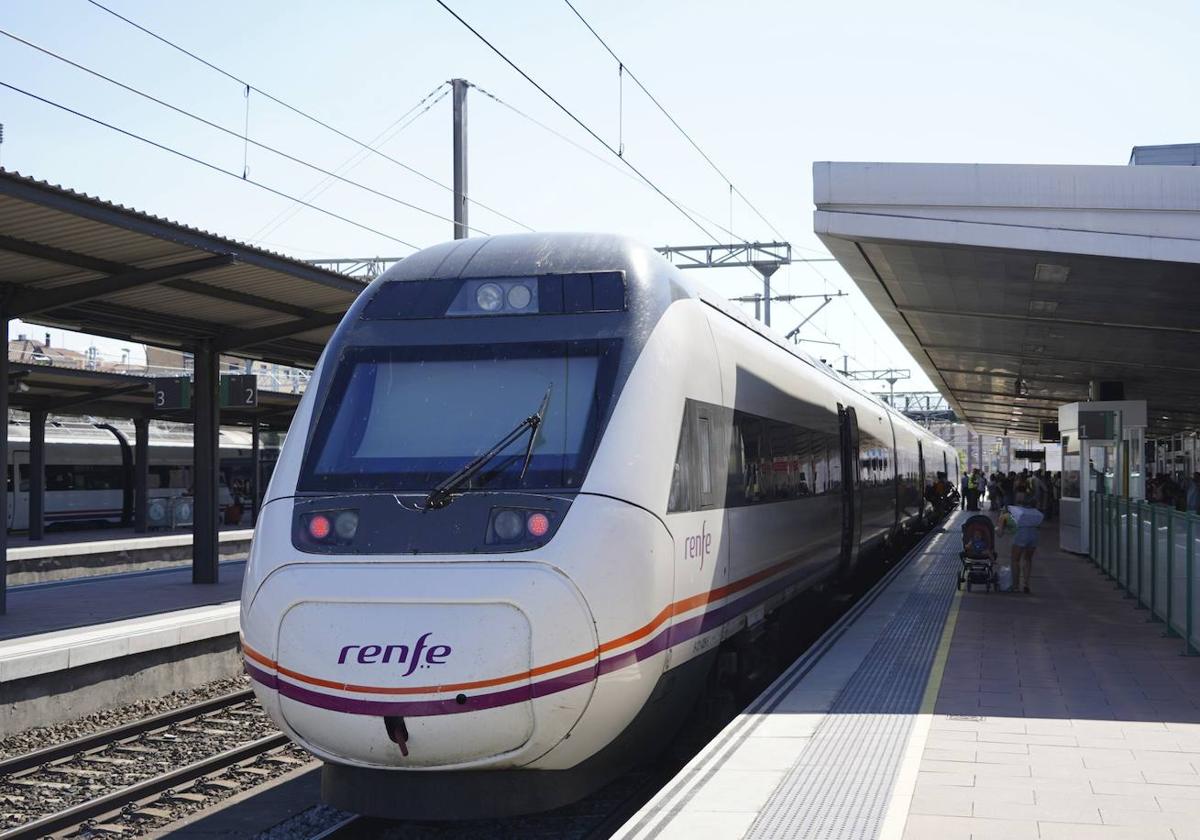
[79, 553]
[926, 712]
[71, 647]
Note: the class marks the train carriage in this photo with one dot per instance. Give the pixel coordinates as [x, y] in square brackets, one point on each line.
[538, 483]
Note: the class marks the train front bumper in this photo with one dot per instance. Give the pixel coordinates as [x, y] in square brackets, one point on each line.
[447, 665]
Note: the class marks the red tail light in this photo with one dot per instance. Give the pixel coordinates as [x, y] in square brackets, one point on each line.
[538, 524]
[319, 526]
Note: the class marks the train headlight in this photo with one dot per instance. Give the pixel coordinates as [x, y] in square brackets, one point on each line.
[508, 525]
[519, 296]
[489, 297]
[519, 525]
[329, 527]
[345, 525]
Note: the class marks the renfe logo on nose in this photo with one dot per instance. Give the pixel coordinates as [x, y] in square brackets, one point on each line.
[400, 654]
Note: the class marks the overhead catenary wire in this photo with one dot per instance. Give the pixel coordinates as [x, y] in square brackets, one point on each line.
[208, 165]
[624, 69]
[386, 136]
[232, 133]
[298, 111]
[620, 170]
[573, 117]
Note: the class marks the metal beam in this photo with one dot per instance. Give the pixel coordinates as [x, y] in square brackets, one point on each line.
[141, 473]
[90, 208]
[735, 255]
[4, 456]
[459, 88]
[91, 396]
[59, 255]
[37, 474]
[233, 296]
[1042, 319]
[367, 268]
[205, 464]
[1019, 357]
[27, 301]
[258, 335]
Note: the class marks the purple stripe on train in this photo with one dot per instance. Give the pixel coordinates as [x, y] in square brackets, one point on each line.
[669, 637]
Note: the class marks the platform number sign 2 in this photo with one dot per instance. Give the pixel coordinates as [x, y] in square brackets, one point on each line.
[239, 390]
[172, 393]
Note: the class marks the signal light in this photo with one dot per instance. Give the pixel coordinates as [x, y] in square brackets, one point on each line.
[345, 524]
[319, 526]
[538, 524]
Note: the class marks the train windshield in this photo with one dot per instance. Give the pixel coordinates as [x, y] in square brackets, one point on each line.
[405, 418]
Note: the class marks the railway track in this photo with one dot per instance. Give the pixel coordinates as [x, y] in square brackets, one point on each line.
[142, 774]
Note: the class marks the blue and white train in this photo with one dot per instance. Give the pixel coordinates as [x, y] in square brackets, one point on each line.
[538, 482]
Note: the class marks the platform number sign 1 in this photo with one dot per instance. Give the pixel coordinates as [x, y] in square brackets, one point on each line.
[172, 393]
[239, 390]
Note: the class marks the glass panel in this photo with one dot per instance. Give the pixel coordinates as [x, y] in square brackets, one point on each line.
[705, 456]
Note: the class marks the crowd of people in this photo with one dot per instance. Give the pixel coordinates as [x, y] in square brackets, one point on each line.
[1041, 487]
[1179, 493]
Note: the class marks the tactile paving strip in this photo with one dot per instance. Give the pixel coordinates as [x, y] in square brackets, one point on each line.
[839, 787]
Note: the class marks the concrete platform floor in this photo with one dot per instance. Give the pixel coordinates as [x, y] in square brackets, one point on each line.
[80, 602]
[1061, 714]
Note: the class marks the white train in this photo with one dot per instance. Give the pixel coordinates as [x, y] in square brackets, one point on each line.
[89, 470]
[539, 482]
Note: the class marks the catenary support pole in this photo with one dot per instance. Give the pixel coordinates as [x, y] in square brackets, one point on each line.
[459, 87]
[141, 473]
[205, 430]
[37, 474]
[766, 270]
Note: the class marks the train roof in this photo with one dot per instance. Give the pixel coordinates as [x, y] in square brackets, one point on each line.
[649, 277]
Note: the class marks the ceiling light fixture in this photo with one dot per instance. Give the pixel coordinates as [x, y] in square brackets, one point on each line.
[1050, 273]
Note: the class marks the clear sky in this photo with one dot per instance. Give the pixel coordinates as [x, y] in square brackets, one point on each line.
[765, 88]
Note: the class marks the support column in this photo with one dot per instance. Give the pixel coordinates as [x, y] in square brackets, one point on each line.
[37, 474]
[255, 471]
[459, 88]
[205, 452]
[141, 473]
[4, 455]
[766, 270]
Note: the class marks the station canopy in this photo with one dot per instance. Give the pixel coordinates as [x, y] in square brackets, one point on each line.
[58, 390]
[1015, 287]
[70, 260]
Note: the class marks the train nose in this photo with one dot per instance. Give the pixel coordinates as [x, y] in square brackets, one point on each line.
[394, 665]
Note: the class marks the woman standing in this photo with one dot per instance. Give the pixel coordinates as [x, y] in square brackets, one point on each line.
[1026, 520]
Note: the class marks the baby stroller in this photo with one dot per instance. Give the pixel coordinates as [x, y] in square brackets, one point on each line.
[979, 553]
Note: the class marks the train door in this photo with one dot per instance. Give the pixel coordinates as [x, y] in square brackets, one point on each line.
[921, 486]
[18, 491]
[851, 494]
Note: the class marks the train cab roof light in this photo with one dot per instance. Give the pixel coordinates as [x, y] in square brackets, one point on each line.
[543, 294]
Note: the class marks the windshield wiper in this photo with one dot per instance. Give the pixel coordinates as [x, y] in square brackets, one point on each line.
[441, 495]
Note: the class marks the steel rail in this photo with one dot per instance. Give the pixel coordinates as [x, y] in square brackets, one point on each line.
[141, 790]
[56, 752]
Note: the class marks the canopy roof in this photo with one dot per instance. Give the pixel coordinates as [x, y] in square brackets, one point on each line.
[101, 394]
[75, 261]
[1015, 287]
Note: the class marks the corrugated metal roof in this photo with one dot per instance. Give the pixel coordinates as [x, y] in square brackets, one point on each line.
[53, 238]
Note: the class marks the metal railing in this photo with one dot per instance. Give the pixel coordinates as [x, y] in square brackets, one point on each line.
[1150, 550]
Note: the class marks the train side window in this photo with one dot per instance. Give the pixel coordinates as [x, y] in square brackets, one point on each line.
[704, 453]
[59, 477]
[681, 478]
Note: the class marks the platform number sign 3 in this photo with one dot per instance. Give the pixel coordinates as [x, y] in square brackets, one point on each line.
[239, 390]
[172, 393]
